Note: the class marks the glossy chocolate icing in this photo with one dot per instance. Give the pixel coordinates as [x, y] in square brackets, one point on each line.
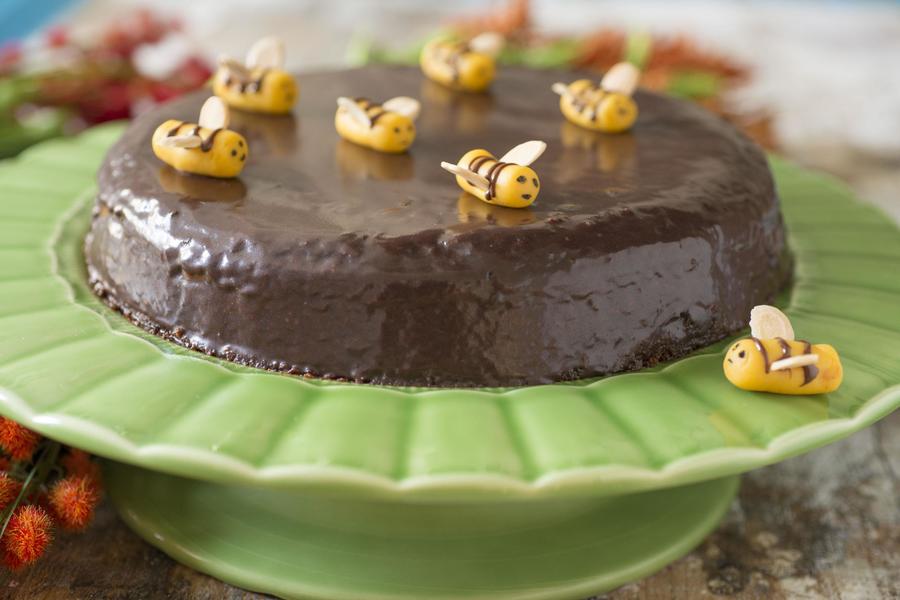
[332, 260]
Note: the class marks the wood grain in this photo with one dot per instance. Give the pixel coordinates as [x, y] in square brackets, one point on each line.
[823, 525]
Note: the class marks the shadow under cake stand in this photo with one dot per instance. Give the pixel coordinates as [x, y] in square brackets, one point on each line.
[313, 489]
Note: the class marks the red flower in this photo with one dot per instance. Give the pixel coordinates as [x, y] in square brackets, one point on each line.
[73, 500]
[10, 55]
[79, 462]
[9, 490]
[26, 536]
[18, 441]
[57, 37]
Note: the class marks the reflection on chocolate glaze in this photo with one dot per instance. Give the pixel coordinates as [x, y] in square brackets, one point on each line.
[357, 162]
[267, 134]
[473, 210]
[449, 109]
[198, 187]
[609, 152]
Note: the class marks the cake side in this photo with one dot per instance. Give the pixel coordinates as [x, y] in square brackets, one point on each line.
[328, 261]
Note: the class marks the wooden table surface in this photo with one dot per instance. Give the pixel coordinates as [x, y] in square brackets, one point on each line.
[822, 525]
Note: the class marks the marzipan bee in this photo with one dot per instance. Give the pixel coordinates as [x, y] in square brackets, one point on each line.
[771, 360]
[505, 182]
[468, 66]
[608, 107]
[203, 148]
[260, 84]
[387, 127]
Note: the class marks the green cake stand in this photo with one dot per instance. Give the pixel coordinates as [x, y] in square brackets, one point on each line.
[311, 489]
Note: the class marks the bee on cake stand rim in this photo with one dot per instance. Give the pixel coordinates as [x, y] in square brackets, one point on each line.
[506, 182]
[388, 127]
[469, 66]
[771, 360]
[608, 107]
[260, 84]
[207, 147]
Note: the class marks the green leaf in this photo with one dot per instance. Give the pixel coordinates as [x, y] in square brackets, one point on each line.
[694, 84]
[638, 46]
[16, 135]
[555, 54]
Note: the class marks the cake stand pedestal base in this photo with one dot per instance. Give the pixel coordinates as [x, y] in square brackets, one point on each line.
[302, 545]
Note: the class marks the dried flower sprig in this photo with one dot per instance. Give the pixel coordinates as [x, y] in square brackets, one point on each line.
[19, 442]
[42, 485]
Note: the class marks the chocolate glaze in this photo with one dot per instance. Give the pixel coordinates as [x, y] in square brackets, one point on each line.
[205, 145]
[762, 350]
[253, 86]
[621, 262]
[809, 371]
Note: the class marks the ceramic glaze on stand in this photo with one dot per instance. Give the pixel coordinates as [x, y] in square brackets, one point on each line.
[309, 545]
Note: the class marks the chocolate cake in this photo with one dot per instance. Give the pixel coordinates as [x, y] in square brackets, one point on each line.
[331, 260]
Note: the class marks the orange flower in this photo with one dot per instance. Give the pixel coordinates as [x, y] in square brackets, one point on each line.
[78, 462]
[26, 536]
[73, 499]
[508, 19]
[9, 490]
[18, 441]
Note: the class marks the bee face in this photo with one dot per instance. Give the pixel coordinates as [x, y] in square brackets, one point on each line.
[616, 113]
[476, 71]
[393, 132]
[517, 186]
[231, 148]
[743, 363]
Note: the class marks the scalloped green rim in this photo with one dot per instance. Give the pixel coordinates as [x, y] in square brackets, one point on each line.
[79, 372]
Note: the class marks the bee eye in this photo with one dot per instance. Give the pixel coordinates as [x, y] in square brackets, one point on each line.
[742, 354]
[535, 182]
[234, 152]
[396, 130]
[521, 179]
